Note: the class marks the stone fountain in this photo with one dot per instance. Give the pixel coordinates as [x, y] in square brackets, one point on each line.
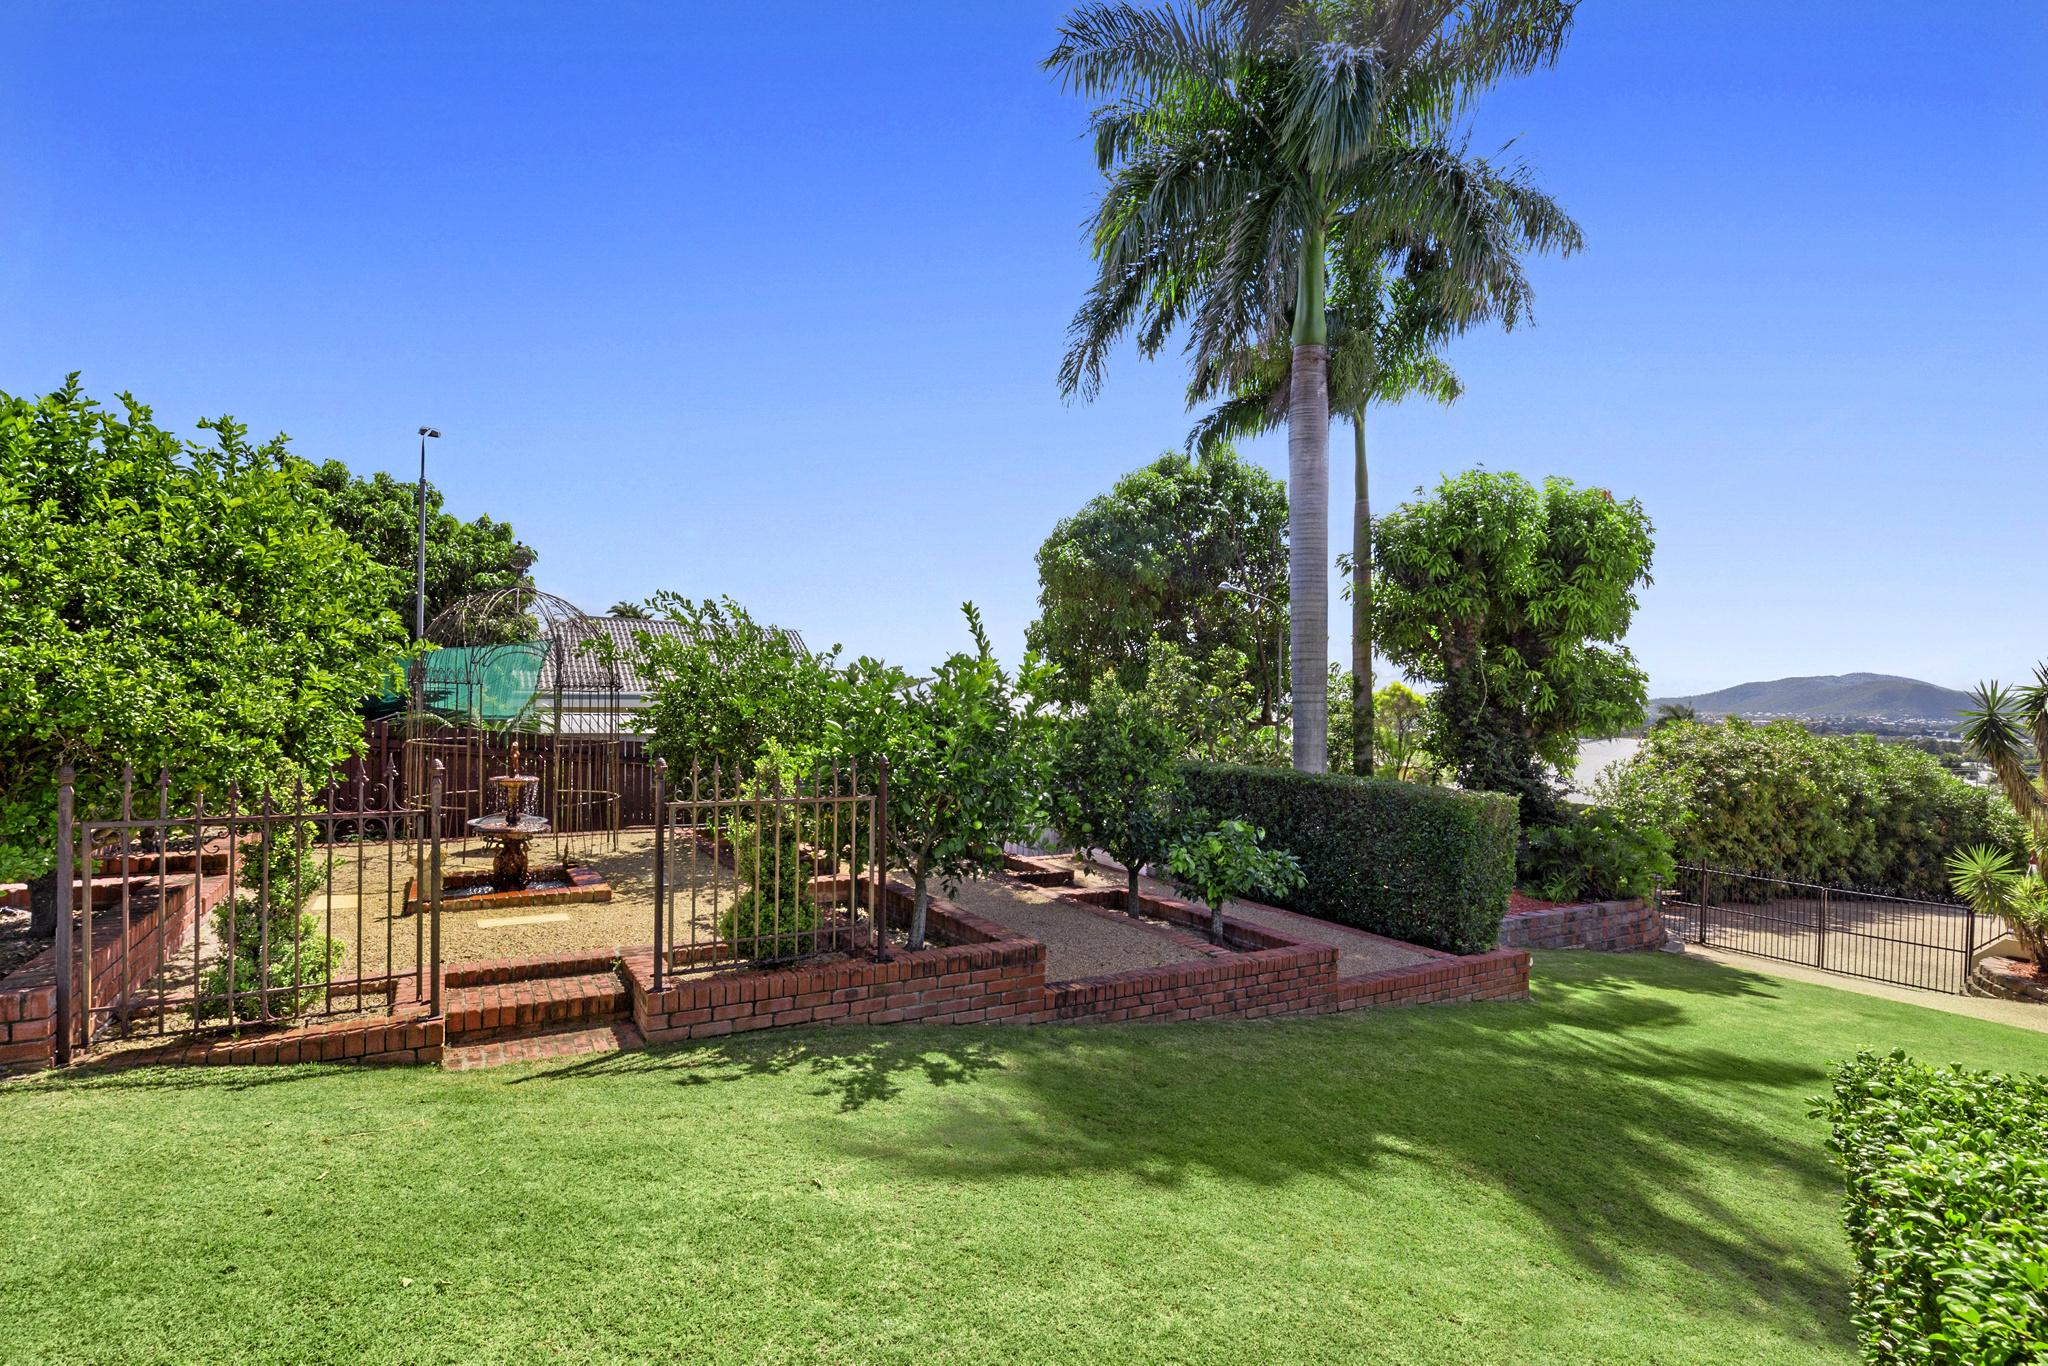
[512, 880]
[510, 825]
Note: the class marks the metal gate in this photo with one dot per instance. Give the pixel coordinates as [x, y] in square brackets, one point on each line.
[1904, 941]
[767, 874]
[199, 917]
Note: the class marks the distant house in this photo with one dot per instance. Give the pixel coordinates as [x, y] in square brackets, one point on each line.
[587, 675]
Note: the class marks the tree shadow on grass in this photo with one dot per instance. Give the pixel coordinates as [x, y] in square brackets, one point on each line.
[858, 1067]
[1633, 1109]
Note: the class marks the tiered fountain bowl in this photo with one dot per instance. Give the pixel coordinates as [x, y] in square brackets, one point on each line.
[511, 825]
[512, 880]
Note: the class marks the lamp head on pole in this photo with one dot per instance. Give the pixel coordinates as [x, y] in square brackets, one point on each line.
[428, 431]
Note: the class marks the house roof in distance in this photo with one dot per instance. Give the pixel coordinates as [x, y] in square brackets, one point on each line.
[583, 671]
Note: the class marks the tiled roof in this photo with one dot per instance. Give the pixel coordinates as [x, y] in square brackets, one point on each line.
[583, 670]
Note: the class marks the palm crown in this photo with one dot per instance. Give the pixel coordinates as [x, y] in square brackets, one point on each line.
[1238, 137]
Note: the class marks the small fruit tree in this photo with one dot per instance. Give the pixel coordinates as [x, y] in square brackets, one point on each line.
[1116, 779]
[967, 752]
[1230, 861]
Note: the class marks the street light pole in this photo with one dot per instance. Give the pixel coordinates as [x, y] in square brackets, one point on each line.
[419, 604]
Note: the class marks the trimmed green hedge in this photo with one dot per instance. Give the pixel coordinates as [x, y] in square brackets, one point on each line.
[1425, 864]
[1946, 1209]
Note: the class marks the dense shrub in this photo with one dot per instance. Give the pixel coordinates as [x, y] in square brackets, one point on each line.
[1946, 1209]
[1425, 864]
[1817, 808]
[776, 916]
[1594, 855]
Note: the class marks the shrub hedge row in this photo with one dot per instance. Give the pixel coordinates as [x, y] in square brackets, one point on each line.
[1946, 1208]
[1781, 800]
[1425, 864]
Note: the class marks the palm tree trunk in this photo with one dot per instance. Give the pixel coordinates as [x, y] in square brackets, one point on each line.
[1308, 512]
[1363, 732]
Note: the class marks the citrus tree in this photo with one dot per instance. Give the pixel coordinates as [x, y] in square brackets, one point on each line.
[967, 750]
[172, 604]
[1231, 861]
[1116, 779]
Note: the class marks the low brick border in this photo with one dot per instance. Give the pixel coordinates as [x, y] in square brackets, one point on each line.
[2007, 979]
[586, 885]
[28, 995]
[1609, 926]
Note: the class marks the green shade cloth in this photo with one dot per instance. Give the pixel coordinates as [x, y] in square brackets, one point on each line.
[485, 685]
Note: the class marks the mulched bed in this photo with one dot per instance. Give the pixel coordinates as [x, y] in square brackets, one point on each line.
[1520, 903]
[17, 946]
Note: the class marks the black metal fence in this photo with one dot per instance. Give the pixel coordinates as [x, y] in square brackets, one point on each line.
[1900, 940]
[767, 873]
[218, 913]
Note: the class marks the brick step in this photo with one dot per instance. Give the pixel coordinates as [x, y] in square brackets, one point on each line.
[571, 1040]
[497, 1008]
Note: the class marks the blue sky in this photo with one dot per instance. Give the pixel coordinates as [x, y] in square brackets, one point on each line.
[768, 299]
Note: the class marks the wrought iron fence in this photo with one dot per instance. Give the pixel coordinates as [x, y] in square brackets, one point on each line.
[763, 874]
[219, 915]
[1904, 941]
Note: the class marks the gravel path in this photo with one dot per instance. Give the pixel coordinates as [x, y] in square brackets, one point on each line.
[1358, 953]
[1078, 943]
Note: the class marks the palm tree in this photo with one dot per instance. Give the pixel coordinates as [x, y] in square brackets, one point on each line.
[1236, 134]
[1673, 713]
[1395, 300]
[633, 611]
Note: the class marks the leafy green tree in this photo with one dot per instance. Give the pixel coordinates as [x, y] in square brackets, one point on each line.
[1229, 861]
[1182, 550]
[1239, 136]
[1397, 721]
[1514, 601]
[729, 691]
[967, 750]
[167, 604]
[1213, 710]
[381, 514]
[1116, 779]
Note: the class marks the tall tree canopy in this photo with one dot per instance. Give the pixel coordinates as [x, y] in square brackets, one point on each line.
[1240, 140]
[1513, 601]
[1192, 552]
[166, 603]
[381, 514]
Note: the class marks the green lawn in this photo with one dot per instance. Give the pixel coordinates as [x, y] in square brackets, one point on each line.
[1620, 1171]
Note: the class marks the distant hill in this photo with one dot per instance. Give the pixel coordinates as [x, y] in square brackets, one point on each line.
[1867, 697]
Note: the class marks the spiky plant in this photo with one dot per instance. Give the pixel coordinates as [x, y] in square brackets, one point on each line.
[1993, 886]
[2001, 726]
[1237, 136]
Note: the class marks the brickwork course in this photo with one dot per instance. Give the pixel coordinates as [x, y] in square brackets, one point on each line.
[973, 971]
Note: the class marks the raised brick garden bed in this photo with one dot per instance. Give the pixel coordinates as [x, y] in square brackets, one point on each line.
[971, 971]
[28, 996]
[2010, 979]
[1614, 926]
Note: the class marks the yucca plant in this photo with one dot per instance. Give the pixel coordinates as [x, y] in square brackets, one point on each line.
[1985, 878]
[2001, 727]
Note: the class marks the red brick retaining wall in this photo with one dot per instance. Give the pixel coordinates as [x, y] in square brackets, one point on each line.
[979, 972]
[28, 996]
[1619, 926]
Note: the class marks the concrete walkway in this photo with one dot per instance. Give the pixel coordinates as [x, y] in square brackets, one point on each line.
[2018, 1013]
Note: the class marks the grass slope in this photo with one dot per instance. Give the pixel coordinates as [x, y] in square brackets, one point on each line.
[1621, 1170]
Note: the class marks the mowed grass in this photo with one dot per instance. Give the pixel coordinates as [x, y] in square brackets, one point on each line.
[1621, 1170]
